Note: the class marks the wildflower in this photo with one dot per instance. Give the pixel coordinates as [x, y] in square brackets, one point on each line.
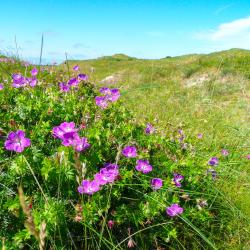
[34, 71]
[129, 152]
[18, 80]
[114, 96]
[78, 218]
[174, 210]
[32, 81]
[177, 179]
[111, 95]
[105, 91]
[143, 166]
[73, 82]
[149, 129]
[64, 131]
[224, 152]
[64, 87]
[214, 161]
[213, 173]
[76, 68]
[201, 203]
[16, 141]
[185, 197]
[82, 77]
[131, 243]
[200, 135]
[80, 144]
[101, 101]
[107, 174]
[1, 86]
[248, 157]
[111, 223]
[156, 183]
[89, 187]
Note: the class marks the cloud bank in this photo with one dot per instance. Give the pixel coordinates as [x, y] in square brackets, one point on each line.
[234, 34]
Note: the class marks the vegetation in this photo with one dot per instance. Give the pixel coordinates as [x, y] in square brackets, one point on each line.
[197, 106]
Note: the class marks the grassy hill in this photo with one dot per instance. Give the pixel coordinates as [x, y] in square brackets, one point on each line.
[206, 94]
[199, 94]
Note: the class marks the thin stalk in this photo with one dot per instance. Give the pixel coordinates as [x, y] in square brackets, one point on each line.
[37, 182]
[41, 52]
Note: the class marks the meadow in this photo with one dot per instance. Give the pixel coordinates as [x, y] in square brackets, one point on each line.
[120, 152]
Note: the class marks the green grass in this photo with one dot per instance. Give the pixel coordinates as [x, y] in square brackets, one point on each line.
[169, 93]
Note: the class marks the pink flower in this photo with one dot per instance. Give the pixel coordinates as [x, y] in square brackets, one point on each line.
[76, 68]
[16, 141]
[143, 166]
[174, 210]
[200, 135]
[224, 152]
[129, 152]
[34, 71]
[111, 223]
[156, 183]
[89, 187]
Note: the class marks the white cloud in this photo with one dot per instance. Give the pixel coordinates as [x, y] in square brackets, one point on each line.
[228, 35]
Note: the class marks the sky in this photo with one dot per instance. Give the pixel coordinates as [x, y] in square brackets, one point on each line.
[87, 29]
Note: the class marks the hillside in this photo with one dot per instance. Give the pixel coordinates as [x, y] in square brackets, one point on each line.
[206, 94]
[198, 143]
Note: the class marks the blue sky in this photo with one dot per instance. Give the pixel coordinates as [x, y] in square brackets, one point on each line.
[145, 29]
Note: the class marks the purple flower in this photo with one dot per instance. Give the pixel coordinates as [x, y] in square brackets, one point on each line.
[108, 174]
[89, 187]
[82, 77]
[101, 101]
[16, 141]
[177, 179]
[1, 86]
[64, 87]
[200, 135]
[74, 140]
[34, 71]
[224, 152]
[214, 161]
[18, 80]
[76, 68]
[114, 96]
[156, 183]
[213, 173]
[67, 132]
[174, 210]
[149, 129]
[111, 223]
[143, 166]
[81, 144]
[105, 91]
[248, 157]
[110, 95]
[129, 152]
[32, 81]
[64, 131]
[73, 82]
